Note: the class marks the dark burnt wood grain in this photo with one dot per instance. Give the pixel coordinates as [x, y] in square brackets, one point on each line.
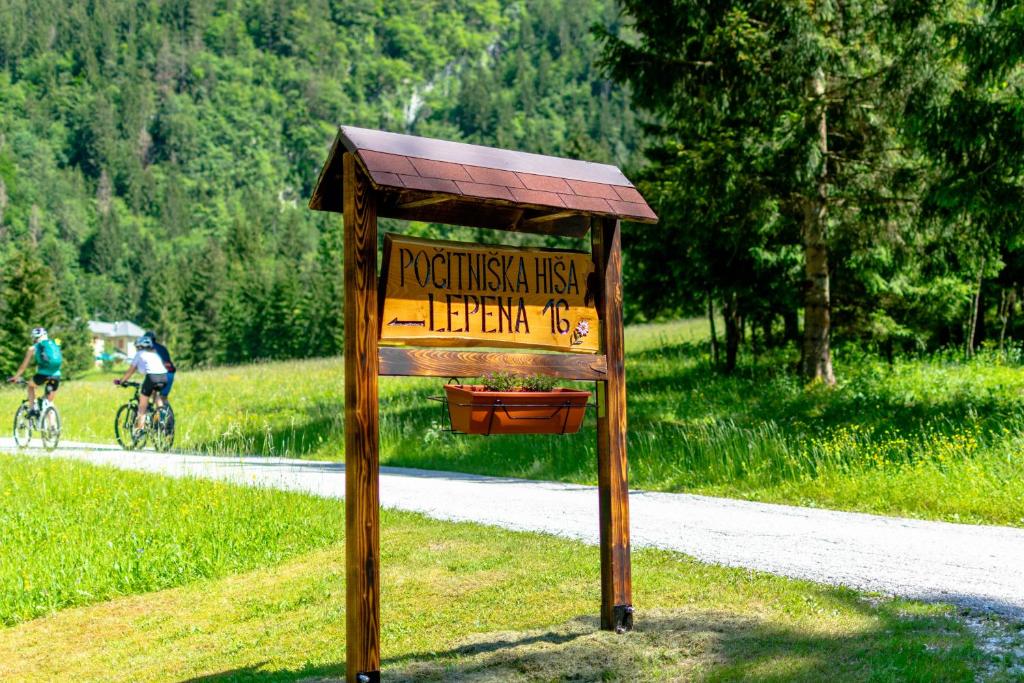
[370, 174]
[410, 362]
[612, 469]
[362, 494]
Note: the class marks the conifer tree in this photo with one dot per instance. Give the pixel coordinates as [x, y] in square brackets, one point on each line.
[787, 112]
[28, 299]
[968, 117]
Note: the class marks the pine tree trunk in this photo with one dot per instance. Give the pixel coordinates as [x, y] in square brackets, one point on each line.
[714, 333]
[1005, 303]
[733, 327]
[1013, 306]
[816, 363]
[791, 325]
[980, 328]
[972, 326]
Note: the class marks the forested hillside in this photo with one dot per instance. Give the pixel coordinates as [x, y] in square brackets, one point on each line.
[156, 156]
[861, 163]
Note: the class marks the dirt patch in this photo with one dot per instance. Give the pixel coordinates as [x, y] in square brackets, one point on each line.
[665, 646]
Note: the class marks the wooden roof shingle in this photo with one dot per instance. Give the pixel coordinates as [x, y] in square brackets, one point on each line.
[453, 182]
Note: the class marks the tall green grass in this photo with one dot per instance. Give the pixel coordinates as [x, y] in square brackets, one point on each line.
[73, 534]
[458, 601]
[934, 436]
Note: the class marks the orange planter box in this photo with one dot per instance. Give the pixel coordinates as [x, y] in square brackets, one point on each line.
[476, 411]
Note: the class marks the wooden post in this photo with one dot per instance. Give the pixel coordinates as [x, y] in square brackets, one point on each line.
[362, 495]
[613, 487]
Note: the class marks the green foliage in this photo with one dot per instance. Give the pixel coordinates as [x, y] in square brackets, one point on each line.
[970, 121]
[928, 436]
[887, 135]
[160, 155]
[506, 381]
[285, 621]
[30, 297]
[76, 534]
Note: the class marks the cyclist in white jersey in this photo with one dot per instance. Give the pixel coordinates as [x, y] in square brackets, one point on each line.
[148, 362]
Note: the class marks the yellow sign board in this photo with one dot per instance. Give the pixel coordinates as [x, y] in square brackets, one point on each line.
[440, 293]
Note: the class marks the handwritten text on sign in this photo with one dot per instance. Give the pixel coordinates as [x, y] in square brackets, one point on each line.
[439, 293]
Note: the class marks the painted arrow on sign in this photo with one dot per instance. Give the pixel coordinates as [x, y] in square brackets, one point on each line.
[407, 323]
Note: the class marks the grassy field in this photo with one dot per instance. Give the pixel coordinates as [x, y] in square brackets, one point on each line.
[935, 437]
[459, 601]
[74, 535]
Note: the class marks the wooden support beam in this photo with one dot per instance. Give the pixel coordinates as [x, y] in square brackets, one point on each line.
[517, 219]
[546, 218]
[427, 201]
[612, 481]
[418, 362]
[362, 494]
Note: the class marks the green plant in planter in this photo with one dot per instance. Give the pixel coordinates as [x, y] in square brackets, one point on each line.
[506, 381]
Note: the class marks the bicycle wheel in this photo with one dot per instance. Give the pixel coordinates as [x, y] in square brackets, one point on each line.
[49, 428]
[124, 425]
[22, 426]
[163, 430]
[170, 419]
[158, 427]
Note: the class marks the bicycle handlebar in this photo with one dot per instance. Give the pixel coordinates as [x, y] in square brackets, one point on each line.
[20, 382]
[129, 384]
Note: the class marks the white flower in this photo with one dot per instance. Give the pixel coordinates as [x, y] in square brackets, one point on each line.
[581, 331]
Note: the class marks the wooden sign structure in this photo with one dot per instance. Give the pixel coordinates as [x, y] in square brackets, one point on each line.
[439, 293]
[506, 297]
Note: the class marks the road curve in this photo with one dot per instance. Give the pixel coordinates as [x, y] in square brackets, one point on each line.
[972, 566]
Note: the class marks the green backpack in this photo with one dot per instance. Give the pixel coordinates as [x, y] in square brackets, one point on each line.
[48, 357]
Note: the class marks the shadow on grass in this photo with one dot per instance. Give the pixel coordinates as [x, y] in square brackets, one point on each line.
[880, 643]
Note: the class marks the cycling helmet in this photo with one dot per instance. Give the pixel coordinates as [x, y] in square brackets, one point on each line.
[38, 333]
[143, 342]
[152, 335]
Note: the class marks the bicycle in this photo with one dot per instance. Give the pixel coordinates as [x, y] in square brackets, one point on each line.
[158, 422]
[46, 421]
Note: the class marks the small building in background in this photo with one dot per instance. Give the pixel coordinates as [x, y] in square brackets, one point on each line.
[112, 342]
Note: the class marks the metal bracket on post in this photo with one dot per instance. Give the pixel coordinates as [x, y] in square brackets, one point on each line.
[623, 618]
[368, 677]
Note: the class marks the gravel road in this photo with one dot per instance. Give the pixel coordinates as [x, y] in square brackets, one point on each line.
[973, 566]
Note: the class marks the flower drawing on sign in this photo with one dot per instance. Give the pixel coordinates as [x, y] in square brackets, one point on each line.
[581, 331]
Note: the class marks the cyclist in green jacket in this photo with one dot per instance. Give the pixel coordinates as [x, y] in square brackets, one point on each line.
[48, 360]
